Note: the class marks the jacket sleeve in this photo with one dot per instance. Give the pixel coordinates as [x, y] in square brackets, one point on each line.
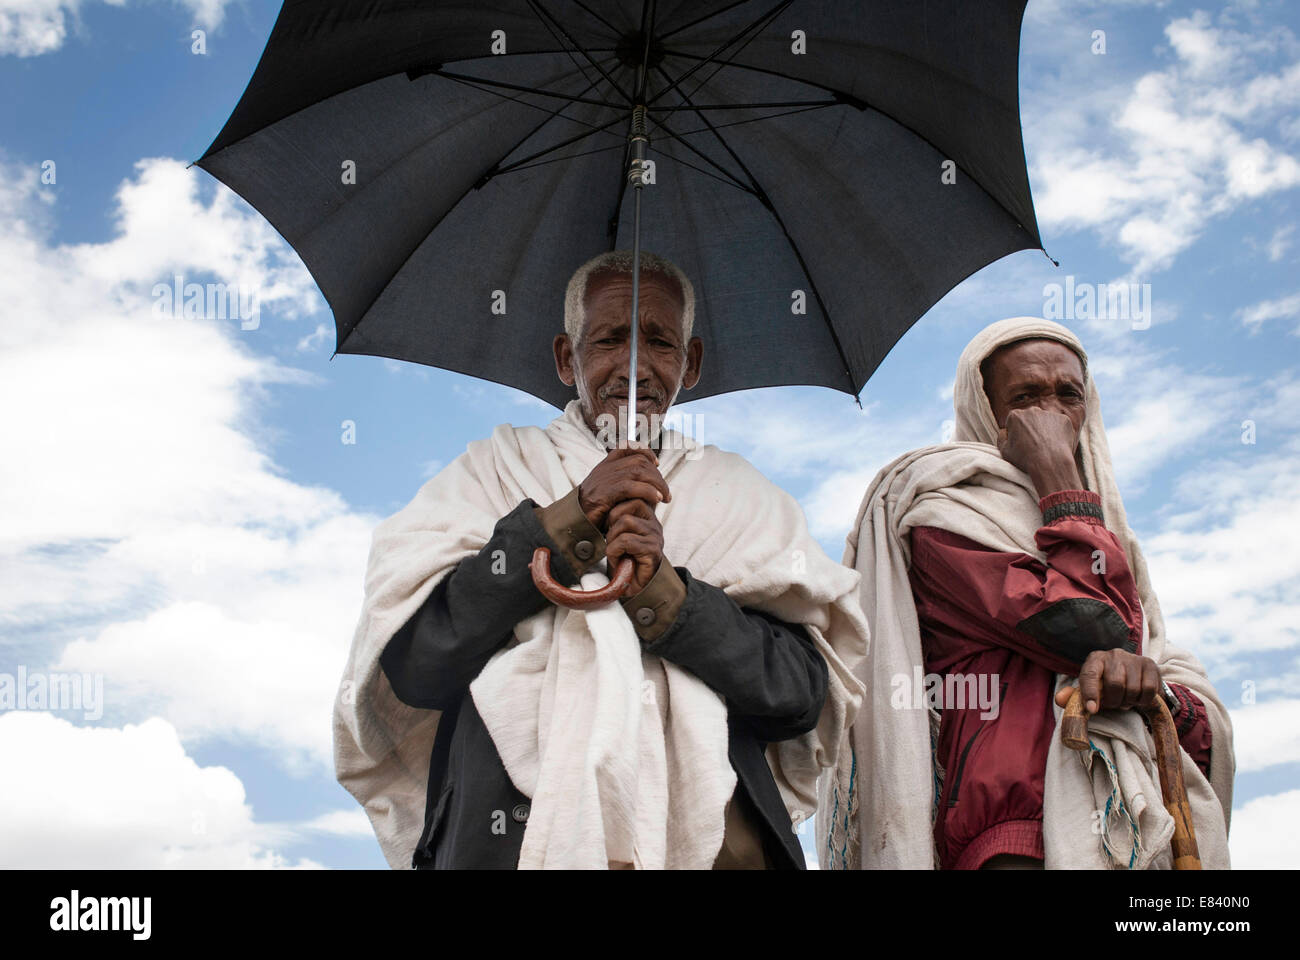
[768, 671]
[1083, 598]
[472, 612]
[1193, 725]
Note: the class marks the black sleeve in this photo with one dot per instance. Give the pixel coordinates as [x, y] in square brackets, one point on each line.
[769, 672]
[470, 614]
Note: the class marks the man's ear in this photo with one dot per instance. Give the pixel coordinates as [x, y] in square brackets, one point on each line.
[694, 360]
[564, 359]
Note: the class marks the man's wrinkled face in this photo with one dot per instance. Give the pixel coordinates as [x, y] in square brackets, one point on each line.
[598, 364]
[1035, 373]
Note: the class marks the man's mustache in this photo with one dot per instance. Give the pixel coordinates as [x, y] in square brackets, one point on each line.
[619, 391]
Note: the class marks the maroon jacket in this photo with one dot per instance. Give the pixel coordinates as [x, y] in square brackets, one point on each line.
[984, 612]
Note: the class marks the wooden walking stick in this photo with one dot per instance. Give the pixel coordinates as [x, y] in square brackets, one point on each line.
[1074, 734]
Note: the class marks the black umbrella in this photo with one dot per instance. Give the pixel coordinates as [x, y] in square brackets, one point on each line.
[822, 171]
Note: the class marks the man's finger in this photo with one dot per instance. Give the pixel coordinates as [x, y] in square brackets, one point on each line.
[1114, 683]
[1150, 683]
[635, 508]
[1063, 695]
[646, 472]
[628, 524]
[643, 552]
[637, 490]
[1132, 681]
[1090, 683]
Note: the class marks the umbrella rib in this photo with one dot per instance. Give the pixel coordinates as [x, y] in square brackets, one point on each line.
[860, 104]
[550, 115]
[759, 23]
[596, 16]
[521, 165]
[729, 176]
[707, 16]
[518, 164]
[487, 175]
[737, 123]
[753, 187]
[803, 265]
[750, 106]
[523, 89]
[544, 15]
[728, 180]
[717, 69]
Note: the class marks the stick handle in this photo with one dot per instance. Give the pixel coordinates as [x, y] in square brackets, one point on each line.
[1074, 725]
[1169, 764]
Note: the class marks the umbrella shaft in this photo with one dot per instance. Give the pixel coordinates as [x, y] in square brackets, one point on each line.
[636, 291]
[638, 141]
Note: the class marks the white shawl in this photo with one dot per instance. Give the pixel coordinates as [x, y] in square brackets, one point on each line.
[623, 755]
[883, 792]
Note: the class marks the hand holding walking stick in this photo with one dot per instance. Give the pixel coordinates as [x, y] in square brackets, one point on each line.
[1074, 734]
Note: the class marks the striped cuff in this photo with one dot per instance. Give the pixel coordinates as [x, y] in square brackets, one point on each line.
[1072, 505]
[1186, 716]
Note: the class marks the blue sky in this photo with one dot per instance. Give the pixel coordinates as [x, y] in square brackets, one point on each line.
[183, 518]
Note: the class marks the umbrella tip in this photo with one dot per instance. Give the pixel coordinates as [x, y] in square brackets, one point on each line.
[1055, 262]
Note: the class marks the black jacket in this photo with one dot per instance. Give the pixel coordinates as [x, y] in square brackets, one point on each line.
[771, 676]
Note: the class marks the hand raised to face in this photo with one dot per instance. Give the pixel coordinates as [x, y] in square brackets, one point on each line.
[1041, 443]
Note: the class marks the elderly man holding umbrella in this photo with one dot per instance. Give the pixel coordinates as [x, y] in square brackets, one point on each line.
[682, 728]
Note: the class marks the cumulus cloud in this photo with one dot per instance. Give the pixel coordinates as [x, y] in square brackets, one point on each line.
[1149, 164]
[838, 457]
[152, 536]
[1228, 580]
[1266, 735]
[130, 798]
[1157, 412]
[29, 28]
[1263, 833]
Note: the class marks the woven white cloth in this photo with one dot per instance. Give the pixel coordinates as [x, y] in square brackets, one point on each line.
[880, 800]
[623, 755]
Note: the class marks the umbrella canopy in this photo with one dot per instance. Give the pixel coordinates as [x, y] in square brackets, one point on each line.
[823, 172]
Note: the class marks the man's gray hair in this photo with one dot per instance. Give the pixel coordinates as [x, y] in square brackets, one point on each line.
[620, 261]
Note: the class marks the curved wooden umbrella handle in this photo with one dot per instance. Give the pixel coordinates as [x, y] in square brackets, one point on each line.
[563, 596]
[1169, 762]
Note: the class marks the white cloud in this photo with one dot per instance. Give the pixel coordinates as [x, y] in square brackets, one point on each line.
[1164, 411]
[1281, 240]
[1263, 835]
[1266, 735]
[840, 455]
[1227, 576]
[143, 504]
[1148, 168]
[98, 798]
[29, 28]
[341, 823]
[1283, 308]
[319, 335]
